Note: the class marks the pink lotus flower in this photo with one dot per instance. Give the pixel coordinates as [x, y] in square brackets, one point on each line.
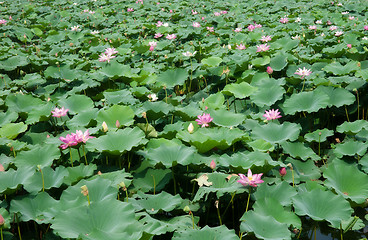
[110, 51]
[158, 35]
[338, 33]
[223, 12]
[196, 24]
[333, 28]
[217, 14]
[303, 72]
[152, 45]
[266, 38]
[251, 27]
[272, 114]
[204, 119]
[2, 220]
[269, 70]
[3, 21]
[2, 169]
[130, 9]
[238, 29]
[171, 36]
[68, 141]
[194, 12]
[240, 46]
[312, 27]
[349, 45]
[211, 29]
[263, 47]
[251, 179]
[79, 136]
[257, 25]
[159, 24]
[212, 165]
[282, 171]
[59, 112]
[284, 20]
[366, 27]
[105, 58]
[319, 22]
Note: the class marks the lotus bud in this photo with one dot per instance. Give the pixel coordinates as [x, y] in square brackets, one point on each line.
[99, 173]
[84, 190]
[104, 127]
[144, 114]
[2, 168]
[117, 124]
[2, 220]
[186, 209]
[349, 45]
[290, 166]
[269, 70]
[190, 128]
[212, 165]
[282, 171]
[217, 203]
[39, 167]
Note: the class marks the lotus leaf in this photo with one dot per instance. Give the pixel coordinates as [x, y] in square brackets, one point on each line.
[76, 103]
[277, 133]
[115, 69]
[154, 203]
[298, 149]
[322, 205]
[246, 160]
[352, 127]
[62, 72]
[50, 179]
[42, 155]
[306, 101]
[172, 77]
[317, 137]
[269, 91]
[79, 172]
[11, 179]
[281, 192]
[7, 117]
[13, 63]
[22, 103]
[211, 61]
[100, 219]
[208, 233]
[261, 145]
[215, 101]
[303, 171]
[116, 177]
[226, 118]
[347, 181]
[338, 96]
[39, 208]
[119, 141]
[239, 90]
[261, 61]
[350, 148]
[123, 114]
[82, 119]
[12, 130]
[152, 179]
[338, 69]
[279, 61]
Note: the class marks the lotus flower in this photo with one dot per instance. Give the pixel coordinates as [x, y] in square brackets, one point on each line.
[212, 165]
[251, 179]
[263, 47]
[171, 36]
[284, 20]
[79, 136]
[269, 70]
[110, 51]
[303, 72]
[204, 119]
[282, 171]
[272, 114]
[196, 24]
[68, 141]
[59, 112]
[265, 38]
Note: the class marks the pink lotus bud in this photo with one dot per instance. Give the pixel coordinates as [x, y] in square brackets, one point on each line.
[10, 18]
[152, 48]
[190, 128]
[269, 70]
[349, 45]
[282, 171]
[212, 165]
[1, 168]
[366, 27]
[202, 18]
[2, 220]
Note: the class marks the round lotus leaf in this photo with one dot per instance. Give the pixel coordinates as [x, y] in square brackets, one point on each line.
[338, 96]
[352, 127]
[12, 130]
[152, 179]
[123, 114]
[279, 61]
[155, 203]
[226, 118]
[338, 69]
[110, 218]
[306, 102]
[347, 180]
[322, 205]
[118, 142]
[303, 171]
[52, 179]
[317, 137]
[215, 101]
[82, 119]
[298, 149]
[246, 160]
[7, 117]
[261, 145]
[115, 69]
[172, 77]
[62, 72]
[79, 172]
[211, 61]
[241, 90]
[269, 91]
[271, 207]
[12, 63]
[277, 133]
[204, 139]
[39, 208]
[42, 155]
[22, 103]
[356, 221]
[350, 148]
[11, 179]
[282, 192]
[116, 177]
[264, 227]
[261, 61]
[76, 103]
[207, 233]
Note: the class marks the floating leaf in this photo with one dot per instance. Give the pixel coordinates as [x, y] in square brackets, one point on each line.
[215, 101]
[211, 61]
[303, 171]
[11, 179]
[277, 133]
[123, 114]
[172, 77]
[13, 63]
[338, 96]
[226, 118]
[79, 172]
[261, 61]
[350, 148]
[282, 192]
[246, 160]
[42, 155]
[241, 90]
[12, 130]
[298, 149]
[352, 127]
[50, 179]
[22, 103]
[306, 101]
[154, 203]
[338, 69]
[152, 179]
[261, 145]
[317, 137]
[269, 91]
[207, 233]
[278, 62]
[76, 103]
[115, 69]
[322, 205]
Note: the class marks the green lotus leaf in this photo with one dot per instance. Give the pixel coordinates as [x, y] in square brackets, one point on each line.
[62, 72]
[22, 103]
[169, 155]
[172, 77]
[12, 130]
[13, 63]
[282, 192]
[261, 61]
[338, 96]
[306, 101]
[211, 61]
[156, 110]
[207, 233]
[7, 117]
[246, 160]
[347, 181]
[277, 133]
[41, 113]
[123, 114]
[322, 205]
[303, 171]
[122, 96]
[204, 139]
[79, 172]
[7, 223]
[152, 179]
[116, 177]
[279, 61]
[239, 90]
[154, 203]
[264, 227]
[269, 91]
[346, 224]
[261, 145]
[220, 184]
[364, 163]
[100, 219]
[350, 148]
[119, 141]
[285, 43]
[149, 130]
[42, 155]
[51, 179]
[226, 118]
[338, 69]
[82, 119]
[115, 69]
[271, 207]
[39, 208]
[352, 127]
[316, 137]
[161, 226]
[76, 103]
[298, 149]
[215, 101]
[189, 111]
[11, 179]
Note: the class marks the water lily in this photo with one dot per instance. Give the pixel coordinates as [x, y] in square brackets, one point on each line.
[250, 179]
[303, 72]
[272, 114]
[59, 112]
[204, 119]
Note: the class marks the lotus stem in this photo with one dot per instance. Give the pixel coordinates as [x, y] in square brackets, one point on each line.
[89, 203]
[126, 194]
[43, 181]
[20, 235]
[231, 201]
[358, 101]
[319, 145]
[300, 232]
[84, 153]
[191, 75]
[347, 115]
[173, 175]
[154, 185]
[250, 190]
[218, 211]
[292, 175]
[71, 158]
[1, 230]
[191, 214]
